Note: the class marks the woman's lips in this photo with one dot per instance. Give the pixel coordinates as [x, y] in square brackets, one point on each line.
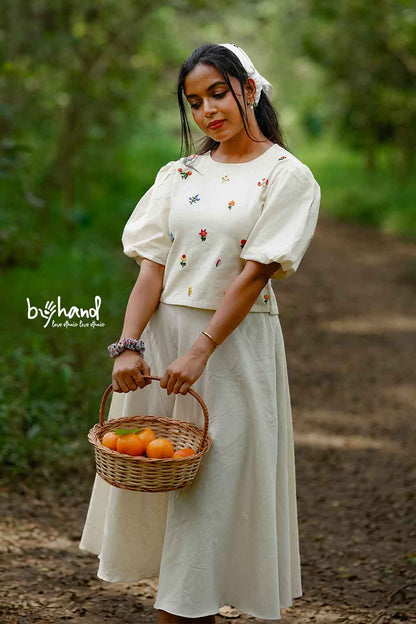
[215, 125]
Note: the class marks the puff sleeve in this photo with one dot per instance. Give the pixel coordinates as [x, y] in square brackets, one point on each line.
[146, 233]
[288, 220]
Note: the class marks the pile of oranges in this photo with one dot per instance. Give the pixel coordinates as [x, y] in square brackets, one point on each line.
[142, 442]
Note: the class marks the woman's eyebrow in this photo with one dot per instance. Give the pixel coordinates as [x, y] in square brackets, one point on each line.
[214, 84]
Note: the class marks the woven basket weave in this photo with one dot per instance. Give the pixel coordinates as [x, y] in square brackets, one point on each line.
[144, 474]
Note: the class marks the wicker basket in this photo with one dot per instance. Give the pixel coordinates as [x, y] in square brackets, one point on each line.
[145, 474]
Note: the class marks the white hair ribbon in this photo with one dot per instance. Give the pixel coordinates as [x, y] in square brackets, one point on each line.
[261, 83]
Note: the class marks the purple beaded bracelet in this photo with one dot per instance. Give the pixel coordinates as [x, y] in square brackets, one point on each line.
[126, 343]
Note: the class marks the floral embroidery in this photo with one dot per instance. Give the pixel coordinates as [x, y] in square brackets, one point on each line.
[266, 298]
[203, 235]
[183, 260]
[194, 199]
[172, 238]
[282, 157]
[263, 182]
[243, 242]
[184, 174]
[225, 178]
[189, 291]
[231, 204]
[218, 262]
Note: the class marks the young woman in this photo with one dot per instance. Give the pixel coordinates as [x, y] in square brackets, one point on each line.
[209, 235]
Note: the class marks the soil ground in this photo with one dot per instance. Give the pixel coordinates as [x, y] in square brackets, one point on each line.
[349, 321]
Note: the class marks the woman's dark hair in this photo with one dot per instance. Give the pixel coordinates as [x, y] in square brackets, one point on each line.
[226, 62]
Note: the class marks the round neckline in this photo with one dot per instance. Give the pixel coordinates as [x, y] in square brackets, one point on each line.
[247, 162]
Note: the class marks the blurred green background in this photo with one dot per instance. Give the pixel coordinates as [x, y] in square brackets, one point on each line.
[88, 114]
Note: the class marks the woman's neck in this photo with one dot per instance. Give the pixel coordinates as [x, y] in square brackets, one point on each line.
[240, 149]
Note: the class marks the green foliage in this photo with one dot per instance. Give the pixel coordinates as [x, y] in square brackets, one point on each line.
[383, 198]
[15, 248]
[76, 79]
[368, 53]
[37, 427]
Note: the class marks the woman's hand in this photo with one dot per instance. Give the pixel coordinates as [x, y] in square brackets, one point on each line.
[183, 372]
[128, 370]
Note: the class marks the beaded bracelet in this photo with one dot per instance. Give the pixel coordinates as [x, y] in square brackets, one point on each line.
[126, 343]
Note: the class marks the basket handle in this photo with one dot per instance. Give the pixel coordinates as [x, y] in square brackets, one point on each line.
[194, 394]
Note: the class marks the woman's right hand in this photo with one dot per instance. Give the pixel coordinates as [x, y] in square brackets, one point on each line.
[128, 370]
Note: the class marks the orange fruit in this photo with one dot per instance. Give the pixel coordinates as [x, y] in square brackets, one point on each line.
[147, 435]
[130, 444]
[185, 452]
[110, 440]
[160, 448]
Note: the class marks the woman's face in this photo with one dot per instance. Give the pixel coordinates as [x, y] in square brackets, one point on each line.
[212, 101]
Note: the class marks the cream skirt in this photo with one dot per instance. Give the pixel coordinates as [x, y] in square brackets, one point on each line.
[231, 537]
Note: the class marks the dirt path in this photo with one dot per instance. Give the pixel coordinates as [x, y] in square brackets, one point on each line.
[349, 321]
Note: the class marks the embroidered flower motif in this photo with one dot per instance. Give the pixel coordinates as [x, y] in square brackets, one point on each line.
[263, 182]
[194, 199]
[189, 291]
[266, 298]
[203, 235]
[183, 260]
[282, 157]
[184, 174]
[231, 204]
[218, 262]
[225, 178]
[172, 238]
[243, 242]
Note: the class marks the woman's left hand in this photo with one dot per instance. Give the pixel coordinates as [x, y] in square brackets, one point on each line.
[183, 372]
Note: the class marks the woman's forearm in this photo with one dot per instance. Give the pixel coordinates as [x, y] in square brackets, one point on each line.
[144, 299]
[235, 304]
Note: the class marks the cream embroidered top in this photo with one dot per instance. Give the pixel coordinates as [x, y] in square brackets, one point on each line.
[202, 220]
